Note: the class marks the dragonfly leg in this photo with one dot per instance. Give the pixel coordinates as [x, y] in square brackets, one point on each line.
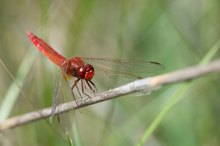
[82, 86]
[93, 85]
[75, 84]
[79, 92]
[90, 87]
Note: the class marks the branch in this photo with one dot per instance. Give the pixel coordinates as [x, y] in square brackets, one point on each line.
[147, 84]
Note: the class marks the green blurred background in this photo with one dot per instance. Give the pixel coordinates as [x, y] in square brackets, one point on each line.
[175, 33]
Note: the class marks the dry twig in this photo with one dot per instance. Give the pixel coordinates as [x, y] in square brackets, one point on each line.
[147, 84]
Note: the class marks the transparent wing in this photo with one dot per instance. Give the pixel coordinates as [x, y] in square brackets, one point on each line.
[110, 73]
[62, 94]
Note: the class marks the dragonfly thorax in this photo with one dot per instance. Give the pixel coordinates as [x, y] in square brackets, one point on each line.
[86, 72]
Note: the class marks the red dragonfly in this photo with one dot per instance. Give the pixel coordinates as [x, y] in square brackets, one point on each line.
[90, 71]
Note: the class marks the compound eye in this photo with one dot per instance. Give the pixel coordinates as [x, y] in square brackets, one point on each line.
[89, 73]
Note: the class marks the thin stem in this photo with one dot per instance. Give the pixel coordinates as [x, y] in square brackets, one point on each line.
[151, 83]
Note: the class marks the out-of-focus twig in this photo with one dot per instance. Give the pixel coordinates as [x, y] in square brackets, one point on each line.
[147, 84]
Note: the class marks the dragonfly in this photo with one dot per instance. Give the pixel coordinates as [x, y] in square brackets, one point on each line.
[95, 74]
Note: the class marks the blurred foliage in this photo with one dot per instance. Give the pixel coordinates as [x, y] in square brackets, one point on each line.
[175, 33]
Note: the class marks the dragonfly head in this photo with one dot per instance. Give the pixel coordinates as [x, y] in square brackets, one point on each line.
[86, 72]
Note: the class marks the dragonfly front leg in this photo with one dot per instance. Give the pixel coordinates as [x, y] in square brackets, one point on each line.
[82, 86]
[75, 84]
[90, 87]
